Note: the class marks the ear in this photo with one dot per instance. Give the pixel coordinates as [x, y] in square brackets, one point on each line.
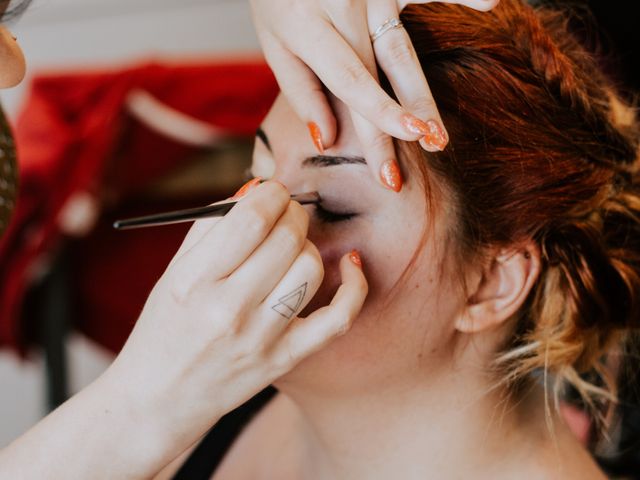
[502, 289]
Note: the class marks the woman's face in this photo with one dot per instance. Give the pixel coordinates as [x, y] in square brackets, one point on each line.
[397, 332]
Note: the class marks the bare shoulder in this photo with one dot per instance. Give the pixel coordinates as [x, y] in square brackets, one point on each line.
[561, 458]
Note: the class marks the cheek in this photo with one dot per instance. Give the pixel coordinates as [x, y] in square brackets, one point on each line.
[332, 241]
[384, 259]
[395, 338]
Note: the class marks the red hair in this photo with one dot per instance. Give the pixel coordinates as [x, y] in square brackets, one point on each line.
[541, 148]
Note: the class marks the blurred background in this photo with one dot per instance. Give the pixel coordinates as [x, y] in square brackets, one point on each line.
[73, 45]
[133, 107]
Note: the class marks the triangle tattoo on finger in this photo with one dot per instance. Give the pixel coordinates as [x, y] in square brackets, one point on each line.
[288, 305]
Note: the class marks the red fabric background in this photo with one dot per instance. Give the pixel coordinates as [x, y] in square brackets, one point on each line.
[73, 135]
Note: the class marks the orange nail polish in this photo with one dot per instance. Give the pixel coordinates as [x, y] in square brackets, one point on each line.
[436, 137]
[354, 256]
[246, 187]
[391, 176]
[414, 125]
[316, 136]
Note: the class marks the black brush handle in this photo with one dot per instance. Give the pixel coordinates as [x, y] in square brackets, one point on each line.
[191, 214]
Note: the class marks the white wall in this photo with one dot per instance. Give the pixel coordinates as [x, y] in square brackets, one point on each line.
[85, 33]
[57, 34]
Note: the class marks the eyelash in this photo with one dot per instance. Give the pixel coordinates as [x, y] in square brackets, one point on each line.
[324, 215]
[327, 216]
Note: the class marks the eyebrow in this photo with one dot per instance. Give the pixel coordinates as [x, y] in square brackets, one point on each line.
[329, 161]
[318, 160]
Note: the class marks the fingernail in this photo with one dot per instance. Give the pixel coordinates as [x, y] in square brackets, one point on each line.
[391, 176]
[436, 137]
[246, 187]
[414, 125]
[354, 256]
[316, 136]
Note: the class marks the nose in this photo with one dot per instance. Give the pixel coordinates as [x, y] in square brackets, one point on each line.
[12, 63]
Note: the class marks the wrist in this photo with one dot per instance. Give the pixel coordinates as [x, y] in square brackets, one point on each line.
[160, 420]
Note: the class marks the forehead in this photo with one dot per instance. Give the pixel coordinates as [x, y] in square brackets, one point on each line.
[283, 124]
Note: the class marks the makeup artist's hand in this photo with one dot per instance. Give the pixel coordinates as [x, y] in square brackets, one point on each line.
[221, 323]
[312, 43]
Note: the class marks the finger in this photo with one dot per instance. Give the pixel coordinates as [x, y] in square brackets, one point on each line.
[303, 90]
[397, 58]
[290, 297]
[377, 146]
[307, 335]
[201, 227]
[226, 246]
[481, 5]
[194, 235]
[350, 80]
[270, 261]
[378, 150]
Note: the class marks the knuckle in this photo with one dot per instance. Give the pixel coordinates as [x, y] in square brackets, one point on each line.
[180, 288]
[292, 237]
[380, 144]
[399, 51]
[424, 104]
[387, 108]
[285, 359]
[256, 221]
[312, 257]
[311, 250]
[278, 189]
[179, 293]
[245, 348]
[344, 324]
[362, 284]
[355, 75]
[344, 6]
[301, 216]
[231, 302]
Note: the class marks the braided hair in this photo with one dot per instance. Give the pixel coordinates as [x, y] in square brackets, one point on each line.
[542, 148]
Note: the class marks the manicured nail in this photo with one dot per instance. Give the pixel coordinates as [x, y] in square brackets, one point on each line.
[414, 125]
[246, 187]
[436, 137]
[316, 136]
[391, 176]
[354, 256]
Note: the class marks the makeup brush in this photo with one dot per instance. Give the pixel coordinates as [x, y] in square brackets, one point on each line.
[216, 210]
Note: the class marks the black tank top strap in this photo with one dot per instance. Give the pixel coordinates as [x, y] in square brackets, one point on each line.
[206, 457]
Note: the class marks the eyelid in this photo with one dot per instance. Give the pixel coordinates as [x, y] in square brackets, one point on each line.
[328, 216]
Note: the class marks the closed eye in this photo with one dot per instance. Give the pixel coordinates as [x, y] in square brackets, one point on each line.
[328, 216]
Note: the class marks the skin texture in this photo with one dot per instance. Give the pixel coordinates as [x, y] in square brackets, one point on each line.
[11, 59]
[406, 393]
